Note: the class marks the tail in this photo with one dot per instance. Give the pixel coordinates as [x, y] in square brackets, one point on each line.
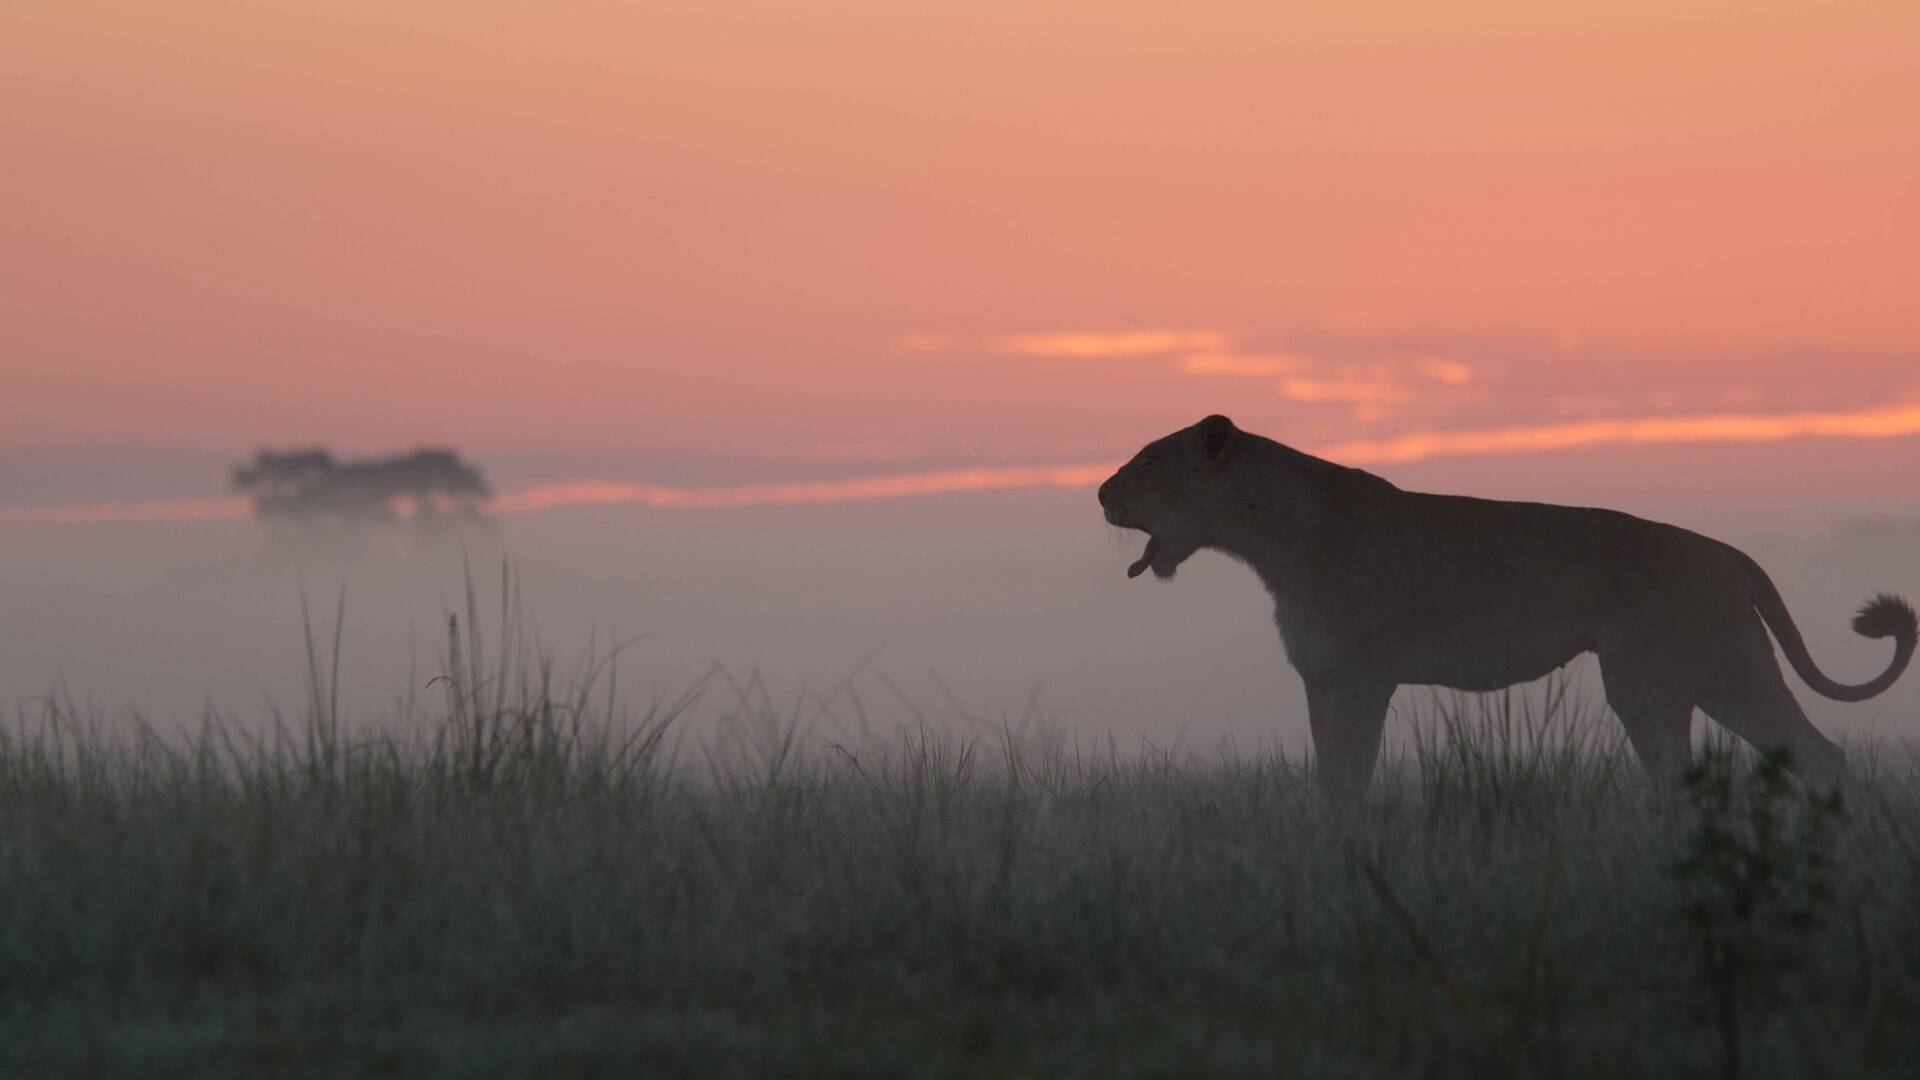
[1884, 616]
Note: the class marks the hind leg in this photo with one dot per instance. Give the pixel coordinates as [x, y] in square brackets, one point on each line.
[1655, 708]
[1748, 696]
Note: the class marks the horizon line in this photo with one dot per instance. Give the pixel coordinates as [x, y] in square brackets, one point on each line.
[1883, 423]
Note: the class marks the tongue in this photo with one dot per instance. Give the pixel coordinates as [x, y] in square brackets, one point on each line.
[1146, 559]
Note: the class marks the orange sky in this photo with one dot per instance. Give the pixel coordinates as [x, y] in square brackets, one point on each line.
[978, 233]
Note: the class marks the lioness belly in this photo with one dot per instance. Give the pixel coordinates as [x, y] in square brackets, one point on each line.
[1465, 661]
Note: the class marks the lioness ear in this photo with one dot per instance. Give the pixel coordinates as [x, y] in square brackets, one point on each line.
[1216, 438]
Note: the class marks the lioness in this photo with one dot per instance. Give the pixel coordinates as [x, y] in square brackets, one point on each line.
[1374, 587]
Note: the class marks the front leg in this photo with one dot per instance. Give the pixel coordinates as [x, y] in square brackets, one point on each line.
[1347, 719]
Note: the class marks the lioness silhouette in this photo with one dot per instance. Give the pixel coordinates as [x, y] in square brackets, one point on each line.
[1375, 587]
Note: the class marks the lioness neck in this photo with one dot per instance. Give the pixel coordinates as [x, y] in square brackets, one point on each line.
[1294, 512]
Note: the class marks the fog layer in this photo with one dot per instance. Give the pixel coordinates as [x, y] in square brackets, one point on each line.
[999, 605]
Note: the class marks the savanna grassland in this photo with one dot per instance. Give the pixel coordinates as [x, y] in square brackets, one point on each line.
[526, 878]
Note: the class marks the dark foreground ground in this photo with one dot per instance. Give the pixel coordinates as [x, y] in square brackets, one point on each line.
[515, 894]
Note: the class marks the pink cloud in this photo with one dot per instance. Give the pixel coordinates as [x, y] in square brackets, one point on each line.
[1718, 427]
[1111, 343]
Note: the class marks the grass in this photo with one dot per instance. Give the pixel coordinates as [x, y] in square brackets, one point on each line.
[519, 878]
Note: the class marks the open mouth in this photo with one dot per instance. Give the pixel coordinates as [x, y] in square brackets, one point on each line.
[1150, 559]
[1146, 559]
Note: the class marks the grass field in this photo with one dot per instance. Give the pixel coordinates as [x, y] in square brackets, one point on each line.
[513, 881]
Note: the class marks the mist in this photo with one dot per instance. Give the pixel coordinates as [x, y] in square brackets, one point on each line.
[972, 611]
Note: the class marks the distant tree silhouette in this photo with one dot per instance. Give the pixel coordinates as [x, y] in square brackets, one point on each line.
[308, 487]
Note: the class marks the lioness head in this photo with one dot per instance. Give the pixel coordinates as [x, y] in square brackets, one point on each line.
[1177, 491]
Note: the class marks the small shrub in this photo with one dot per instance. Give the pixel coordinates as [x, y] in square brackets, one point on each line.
[1755, 881]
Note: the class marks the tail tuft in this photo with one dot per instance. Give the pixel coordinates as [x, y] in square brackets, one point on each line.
[1887, 615]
